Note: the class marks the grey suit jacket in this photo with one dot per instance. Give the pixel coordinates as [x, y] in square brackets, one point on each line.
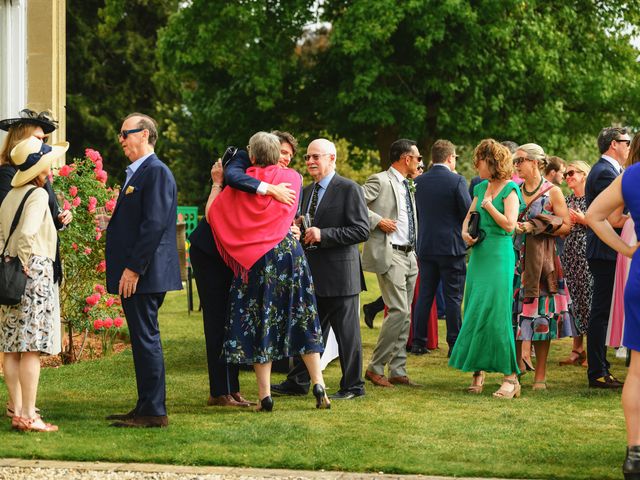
[383, 200]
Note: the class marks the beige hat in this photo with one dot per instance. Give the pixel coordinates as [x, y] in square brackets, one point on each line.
[32, 157]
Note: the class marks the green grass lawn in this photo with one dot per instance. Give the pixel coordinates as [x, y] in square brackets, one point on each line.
[567, 432]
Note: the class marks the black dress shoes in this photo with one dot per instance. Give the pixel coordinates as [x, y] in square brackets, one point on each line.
[143, 422]
[266, 405]
[418, 350]
[288, 388]
[345, 395]
[631, 465]
[607, 382]
[122, 416]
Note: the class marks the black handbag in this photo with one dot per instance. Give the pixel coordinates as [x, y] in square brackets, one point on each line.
[13, 280]
[473, 228]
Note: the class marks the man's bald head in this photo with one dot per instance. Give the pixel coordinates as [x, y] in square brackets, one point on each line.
[320, 158]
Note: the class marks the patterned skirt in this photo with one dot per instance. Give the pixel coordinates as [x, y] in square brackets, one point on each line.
[274, 315]
[30, 326]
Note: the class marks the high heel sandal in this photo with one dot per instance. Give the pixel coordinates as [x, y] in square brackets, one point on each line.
[266, 404]
[631, 465]
[528, 366]
[477, 388]
[27, 425]
[502, 393]
[579, 360]
[322, 401]
[539, 385]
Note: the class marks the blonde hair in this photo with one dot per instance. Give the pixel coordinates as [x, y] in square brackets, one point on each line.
[16, 134]
[497, 156]
[582, 167]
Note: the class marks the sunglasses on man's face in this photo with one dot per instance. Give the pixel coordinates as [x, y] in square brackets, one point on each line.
[125, 133]
[623, 140]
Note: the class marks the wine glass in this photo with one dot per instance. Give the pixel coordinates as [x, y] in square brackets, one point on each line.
[307, 222]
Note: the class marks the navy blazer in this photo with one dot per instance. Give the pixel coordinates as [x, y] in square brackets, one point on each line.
[600, 177]
[234, 176]
[343, 220]
[141, 234]
[442, 201]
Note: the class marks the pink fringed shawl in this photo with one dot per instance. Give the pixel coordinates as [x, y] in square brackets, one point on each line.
[246, 226]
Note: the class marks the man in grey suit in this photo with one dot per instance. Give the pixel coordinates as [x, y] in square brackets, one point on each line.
[335, 205]
[390, 254]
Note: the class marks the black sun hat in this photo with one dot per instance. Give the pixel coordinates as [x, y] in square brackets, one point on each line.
[43, 119]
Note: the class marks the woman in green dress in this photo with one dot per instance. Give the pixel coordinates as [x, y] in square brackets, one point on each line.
[486, 341]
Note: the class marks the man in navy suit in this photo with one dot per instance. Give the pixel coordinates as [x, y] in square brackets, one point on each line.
[442, 201]
[142, 263]
[613, 143]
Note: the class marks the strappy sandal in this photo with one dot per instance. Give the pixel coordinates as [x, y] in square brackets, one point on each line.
[539, 385]
[11, 413]
[577, 361]
[502, 393]
[29, 425]
[477, 388]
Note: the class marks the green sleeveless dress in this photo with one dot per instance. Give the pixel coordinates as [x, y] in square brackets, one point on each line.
[486, 340]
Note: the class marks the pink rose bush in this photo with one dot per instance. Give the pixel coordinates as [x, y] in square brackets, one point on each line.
[84, 301]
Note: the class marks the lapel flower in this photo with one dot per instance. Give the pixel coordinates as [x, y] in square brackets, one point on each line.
[412, 186]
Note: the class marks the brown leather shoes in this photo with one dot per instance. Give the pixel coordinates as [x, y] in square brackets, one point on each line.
[225, 401]
[143, 422]
[122, 416]
[379, 380]
[239, 398]
[403, 380]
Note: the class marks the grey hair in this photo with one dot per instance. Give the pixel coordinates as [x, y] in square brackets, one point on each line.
[147, 123]
[533, 151]
[264, 148]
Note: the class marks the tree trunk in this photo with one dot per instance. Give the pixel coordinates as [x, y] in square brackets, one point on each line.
[385, 136]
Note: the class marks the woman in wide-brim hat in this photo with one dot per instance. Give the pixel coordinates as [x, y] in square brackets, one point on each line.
[27, 329]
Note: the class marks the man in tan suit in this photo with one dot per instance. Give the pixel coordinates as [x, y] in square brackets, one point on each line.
[390, 253]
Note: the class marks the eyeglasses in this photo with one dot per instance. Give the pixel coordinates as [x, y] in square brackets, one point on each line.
[623, 140]
[125, 133]
[419, 157]
[315, 156]
[519, 160]
[570, 173]
[420, 167]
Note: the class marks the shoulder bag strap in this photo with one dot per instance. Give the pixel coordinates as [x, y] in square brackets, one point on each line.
[521, 217]
[16, 219]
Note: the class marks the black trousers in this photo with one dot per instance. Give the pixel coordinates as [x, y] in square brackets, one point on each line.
[141, 311]
[451, 270]
[213, 279]
[603, 272]
[341, 314]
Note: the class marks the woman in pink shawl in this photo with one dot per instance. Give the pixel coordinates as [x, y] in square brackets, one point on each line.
[272, 309]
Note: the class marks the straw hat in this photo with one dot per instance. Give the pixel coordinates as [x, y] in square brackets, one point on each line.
[32, 157]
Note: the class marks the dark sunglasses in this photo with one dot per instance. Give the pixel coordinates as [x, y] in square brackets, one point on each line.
[623, 140]
[420, 167]
[519, 160]
[419, 157]
[570, 173]
[125, 133]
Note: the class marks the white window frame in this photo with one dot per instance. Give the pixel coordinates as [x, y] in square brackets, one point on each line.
[13, 57]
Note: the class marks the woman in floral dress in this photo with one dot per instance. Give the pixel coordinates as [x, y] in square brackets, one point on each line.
[272, 309]
[574, 260]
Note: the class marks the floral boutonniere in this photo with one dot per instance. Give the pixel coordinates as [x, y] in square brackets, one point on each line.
[412, 186]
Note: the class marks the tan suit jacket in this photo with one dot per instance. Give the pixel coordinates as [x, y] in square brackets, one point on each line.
[383, 199]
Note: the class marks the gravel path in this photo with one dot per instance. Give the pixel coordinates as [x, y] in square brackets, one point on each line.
[16, 469]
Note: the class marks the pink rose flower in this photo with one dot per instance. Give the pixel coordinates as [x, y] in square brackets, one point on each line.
[99, 289]
[110, 301]
[91, 209]
[86, 309]
[76, 201]
[93, 299]
[93, 201]
[87, 251]
[101, 176]
[73, 190]
[65, 170]
[98, 324]
[102, 266]
[110, 205]
[98, 166]
[74, 245]
[93, 155]
[118, 322]
[66, 205]
[98, 236]
[108, 322]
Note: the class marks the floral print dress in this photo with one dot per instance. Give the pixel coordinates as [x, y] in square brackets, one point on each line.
[274, 314]
[576, 268]
[548, 316]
